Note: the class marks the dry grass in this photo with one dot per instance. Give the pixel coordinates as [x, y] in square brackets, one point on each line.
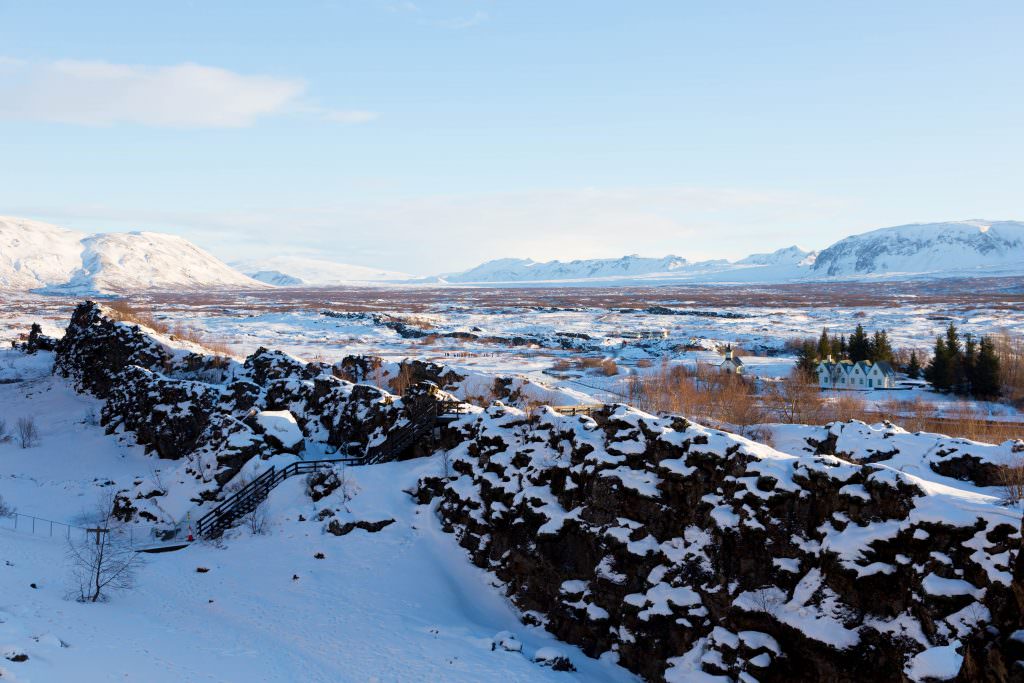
[604, 366]
[216, 347]
[125, 311]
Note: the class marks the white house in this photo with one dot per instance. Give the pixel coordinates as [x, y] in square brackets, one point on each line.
[732, 364]
[860, 376]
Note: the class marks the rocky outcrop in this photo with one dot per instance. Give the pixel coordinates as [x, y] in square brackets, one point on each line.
[687, 551]
[208, 412]
[35, 341]
[960, 460]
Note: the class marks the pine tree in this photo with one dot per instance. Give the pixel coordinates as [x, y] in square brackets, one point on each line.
[881, 350]
[838, 347]
[914, 366]
[859, 347]
[955, 379]
[824, 345]
[805, 358]
[938, 371]
[986, 370]
[967, 364]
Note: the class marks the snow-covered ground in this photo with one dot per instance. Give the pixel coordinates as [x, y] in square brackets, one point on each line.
[401, 604]
[536, 342]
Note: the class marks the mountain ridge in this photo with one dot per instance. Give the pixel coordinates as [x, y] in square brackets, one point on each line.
[45, 258]
[916, 250]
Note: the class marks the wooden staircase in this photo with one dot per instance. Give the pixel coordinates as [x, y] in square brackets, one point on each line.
[421, 423]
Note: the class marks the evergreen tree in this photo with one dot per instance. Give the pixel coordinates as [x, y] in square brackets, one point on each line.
[938, 371]
[837, 347]
[914, 366]
[986, 370]
[881, 350]
[968, 363]
[824, 345]
[844, 348]
[859, 346]
[955, 379]
[806, 362]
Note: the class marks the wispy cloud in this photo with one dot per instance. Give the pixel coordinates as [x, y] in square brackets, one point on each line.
[469, 21]
[97, 93]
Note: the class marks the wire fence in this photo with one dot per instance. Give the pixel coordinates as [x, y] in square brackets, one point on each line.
[61, 531]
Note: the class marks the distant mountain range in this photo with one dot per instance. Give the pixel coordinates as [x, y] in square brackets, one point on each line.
[45, 258]
[933, 250]
[293, 271]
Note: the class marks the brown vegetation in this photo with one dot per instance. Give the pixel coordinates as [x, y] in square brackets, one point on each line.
[724, 399]
[125, 311]
[704, 394]
[1010, 349]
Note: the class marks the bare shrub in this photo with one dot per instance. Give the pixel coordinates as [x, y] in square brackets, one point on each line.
[796, 400]
[705, 394]
[609, 368]
[1010, 350]
[28, 432]
[561, 365]
[257, 520]
[848, 406]
[1011, 479]
[5, 509]
[644, 363]
[102, 562]
[348, 488]
[5, 432]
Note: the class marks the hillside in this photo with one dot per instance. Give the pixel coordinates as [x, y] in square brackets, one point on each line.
[933, 249]
[48, 258]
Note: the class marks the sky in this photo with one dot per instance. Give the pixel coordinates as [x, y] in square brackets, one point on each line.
[429, 136]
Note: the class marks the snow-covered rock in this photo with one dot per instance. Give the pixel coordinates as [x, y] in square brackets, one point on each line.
[693, 552]
[280, 426]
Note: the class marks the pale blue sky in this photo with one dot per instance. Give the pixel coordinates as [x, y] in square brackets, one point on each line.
[428, 136]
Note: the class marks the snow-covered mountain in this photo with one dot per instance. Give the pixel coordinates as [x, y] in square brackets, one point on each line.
[782, 265]
[48, 258]
[932, 250]
[289, 271]
[940, 249]
[521, 270]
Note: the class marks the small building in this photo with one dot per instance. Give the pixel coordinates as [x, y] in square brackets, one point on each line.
[860, 376]
[732, 364]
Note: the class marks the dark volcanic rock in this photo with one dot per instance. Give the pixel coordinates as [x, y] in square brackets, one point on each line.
[690, 551]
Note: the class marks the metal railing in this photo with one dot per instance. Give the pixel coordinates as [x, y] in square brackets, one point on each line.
[49, 528]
